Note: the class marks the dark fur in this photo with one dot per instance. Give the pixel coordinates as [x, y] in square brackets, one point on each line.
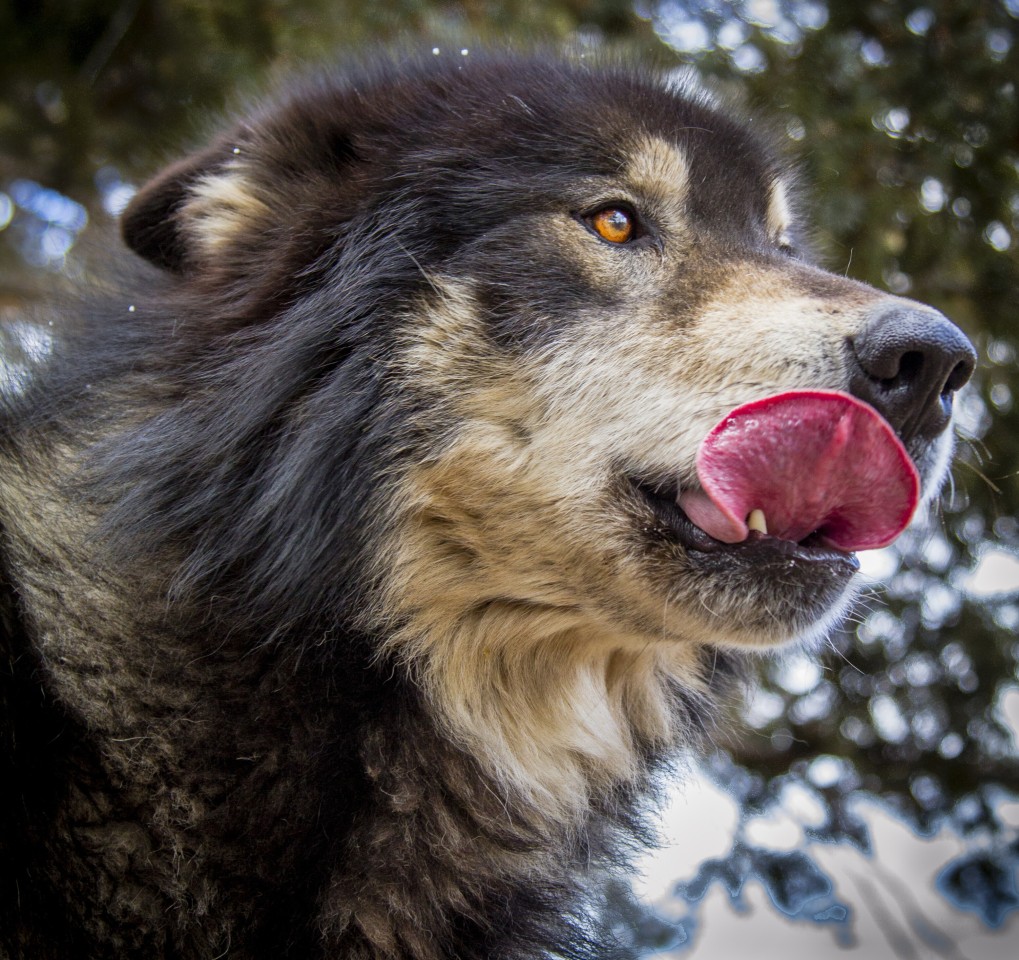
[205, 752]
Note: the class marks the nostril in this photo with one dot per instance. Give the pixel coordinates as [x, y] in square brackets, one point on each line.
[959, 376]
[909, 367]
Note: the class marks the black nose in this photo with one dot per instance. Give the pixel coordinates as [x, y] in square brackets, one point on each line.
[909, 363]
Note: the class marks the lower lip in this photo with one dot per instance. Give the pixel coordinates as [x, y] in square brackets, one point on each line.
[758, 548]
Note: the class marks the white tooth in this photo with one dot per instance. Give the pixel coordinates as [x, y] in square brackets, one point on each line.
[757, 522]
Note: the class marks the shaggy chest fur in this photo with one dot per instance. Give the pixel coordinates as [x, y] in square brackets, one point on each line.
[242, 802]
[349, 605]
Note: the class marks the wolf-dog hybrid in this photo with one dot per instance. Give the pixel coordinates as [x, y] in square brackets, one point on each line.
[377, 527]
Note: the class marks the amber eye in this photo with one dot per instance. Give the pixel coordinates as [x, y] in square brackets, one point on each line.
[613, 224]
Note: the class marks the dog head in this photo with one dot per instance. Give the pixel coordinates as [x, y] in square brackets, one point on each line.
[561, 280]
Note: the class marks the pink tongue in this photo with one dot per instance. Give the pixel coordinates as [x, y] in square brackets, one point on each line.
[811, 460]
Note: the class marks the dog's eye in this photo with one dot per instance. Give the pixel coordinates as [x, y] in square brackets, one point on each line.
[613, 224]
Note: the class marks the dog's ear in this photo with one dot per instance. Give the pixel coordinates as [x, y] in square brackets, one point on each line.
[154, 222]
[216, 207]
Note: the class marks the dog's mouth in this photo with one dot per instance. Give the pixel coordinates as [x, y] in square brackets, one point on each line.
[805, 475]
[758, 548]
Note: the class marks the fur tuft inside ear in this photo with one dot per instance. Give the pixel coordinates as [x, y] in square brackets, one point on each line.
[205, 209]
[152, 223]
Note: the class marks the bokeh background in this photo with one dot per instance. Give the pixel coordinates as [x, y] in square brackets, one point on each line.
[869, 801]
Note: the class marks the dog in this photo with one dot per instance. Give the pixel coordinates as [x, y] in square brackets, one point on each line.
[421, 480]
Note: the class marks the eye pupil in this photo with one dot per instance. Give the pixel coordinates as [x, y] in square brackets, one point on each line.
[614, 225]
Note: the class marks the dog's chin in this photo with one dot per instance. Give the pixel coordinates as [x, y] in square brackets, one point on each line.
[763, 592]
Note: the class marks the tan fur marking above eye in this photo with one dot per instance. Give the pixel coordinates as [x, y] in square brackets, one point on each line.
[659, 171]
[221, 207]
[779, 213]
